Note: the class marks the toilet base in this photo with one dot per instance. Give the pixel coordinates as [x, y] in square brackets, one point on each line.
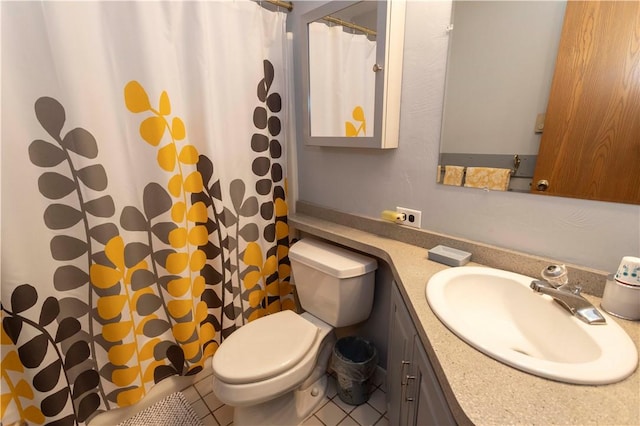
[291, 408]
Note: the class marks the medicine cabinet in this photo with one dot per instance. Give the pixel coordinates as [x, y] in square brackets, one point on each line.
[352, 73]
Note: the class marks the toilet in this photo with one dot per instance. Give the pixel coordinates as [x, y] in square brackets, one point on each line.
[286, 380]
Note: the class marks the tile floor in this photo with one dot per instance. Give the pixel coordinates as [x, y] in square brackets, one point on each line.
[332, 412]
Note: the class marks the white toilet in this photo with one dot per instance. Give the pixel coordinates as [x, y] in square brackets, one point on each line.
[284, 381]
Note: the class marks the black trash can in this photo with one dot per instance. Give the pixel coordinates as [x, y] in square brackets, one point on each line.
[354, 360]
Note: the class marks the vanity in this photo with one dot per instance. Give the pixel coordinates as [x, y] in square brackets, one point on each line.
[450, 381]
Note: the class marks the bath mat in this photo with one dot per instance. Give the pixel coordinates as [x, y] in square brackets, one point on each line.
[174, 410]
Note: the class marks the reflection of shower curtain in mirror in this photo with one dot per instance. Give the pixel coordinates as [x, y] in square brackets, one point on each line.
[342, 81]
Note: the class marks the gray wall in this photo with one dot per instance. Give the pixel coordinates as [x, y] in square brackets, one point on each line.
[365, 182]
[501, 60]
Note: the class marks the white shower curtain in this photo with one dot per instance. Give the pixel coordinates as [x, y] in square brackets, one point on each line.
[143, 195]
[342, 81]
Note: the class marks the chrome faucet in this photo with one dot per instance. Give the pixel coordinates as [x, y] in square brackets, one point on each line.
[556, 284]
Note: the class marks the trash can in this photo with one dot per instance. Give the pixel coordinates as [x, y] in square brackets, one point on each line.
[354, 360]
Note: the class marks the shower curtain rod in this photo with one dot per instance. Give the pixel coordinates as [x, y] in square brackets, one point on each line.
[289, 7]
[356, 27]
[286, 4]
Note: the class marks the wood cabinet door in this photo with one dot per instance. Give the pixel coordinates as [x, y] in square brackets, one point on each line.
[590, 147]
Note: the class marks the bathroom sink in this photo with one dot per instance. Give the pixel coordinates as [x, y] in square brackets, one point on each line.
[497, 313]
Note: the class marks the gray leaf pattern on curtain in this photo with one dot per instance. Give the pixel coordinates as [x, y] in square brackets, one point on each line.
[139, 311]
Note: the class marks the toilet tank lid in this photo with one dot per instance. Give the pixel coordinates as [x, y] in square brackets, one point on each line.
[330, 259]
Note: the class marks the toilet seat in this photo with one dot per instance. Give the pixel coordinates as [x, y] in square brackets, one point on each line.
[250, 393]
[288, 336]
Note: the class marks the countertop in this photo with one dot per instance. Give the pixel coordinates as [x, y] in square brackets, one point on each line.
[479, 389]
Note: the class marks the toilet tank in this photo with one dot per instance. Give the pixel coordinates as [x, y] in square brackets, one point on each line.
[334, 284]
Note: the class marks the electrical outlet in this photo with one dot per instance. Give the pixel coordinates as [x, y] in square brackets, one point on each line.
[412, 217]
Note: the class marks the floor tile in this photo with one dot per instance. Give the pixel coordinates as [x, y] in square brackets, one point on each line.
[190, 394]
[200, 408]
[212, 401]
[312, 421]
[334, 412]
[366, 415]
[224, 415]
[330, 414]
[378, 400]
[210, 421]
[383, 422]
[347, 408]
[348, 421]
[204, 386]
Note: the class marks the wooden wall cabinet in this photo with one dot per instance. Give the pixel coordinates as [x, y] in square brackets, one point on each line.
[415, 395]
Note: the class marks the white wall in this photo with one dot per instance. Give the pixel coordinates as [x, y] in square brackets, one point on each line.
[365, 182]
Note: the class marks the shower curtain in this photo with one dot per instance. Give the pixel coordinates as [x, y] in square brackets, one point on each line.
[342, 81]
[144, 215]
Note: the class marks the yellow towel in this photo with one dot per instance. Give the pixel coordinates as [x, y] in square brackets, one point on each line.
[487, 178]
[453, 175]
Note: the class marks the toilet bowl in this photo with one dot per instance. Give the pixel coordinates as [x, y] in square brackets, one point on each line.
[273, 370]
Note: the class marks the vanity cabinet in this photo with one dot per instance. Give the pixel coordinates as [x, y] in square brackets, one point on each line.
[415, 396]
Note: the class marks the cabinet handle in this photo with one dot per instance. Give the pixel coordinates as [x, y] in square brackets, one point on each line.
[408, 377]
[404, 364]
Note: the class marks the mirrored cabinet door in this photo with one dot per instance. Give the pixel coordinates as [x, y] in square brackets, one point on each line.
[352, 73]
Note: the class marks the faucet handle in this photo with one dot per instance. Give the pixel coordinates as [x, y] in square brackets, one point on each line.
[556, 275]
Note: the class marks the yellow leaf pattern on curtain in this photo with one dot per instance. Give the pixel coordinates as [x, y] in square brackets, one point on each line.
[350, 129]
[142, 309]
[16, 391]
[187, 260]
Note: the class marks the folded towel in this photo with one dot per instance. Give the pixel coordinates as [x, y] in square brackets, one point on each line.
[487, 178]
[439, 176]
[453, 175]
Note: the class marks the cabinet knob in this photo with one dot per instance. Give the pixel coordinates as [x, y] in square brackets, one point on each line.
[377, 67]
[542, 185]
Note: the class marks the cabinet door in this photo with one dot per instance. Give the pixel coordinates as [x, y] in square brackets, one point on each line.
[427, 404]
[401, 336]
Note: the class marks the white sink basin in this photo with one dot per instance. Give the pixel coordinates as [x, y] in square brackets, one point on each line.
[497, 313]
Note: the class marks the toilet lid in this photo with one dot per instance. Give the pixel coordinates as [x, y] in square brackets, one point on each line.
[264, 348]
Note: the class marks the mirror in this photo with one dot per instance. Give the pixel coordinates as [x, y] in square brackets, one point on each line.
[517, 112]
[342, 85]
[499, 71]
[352, 69]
